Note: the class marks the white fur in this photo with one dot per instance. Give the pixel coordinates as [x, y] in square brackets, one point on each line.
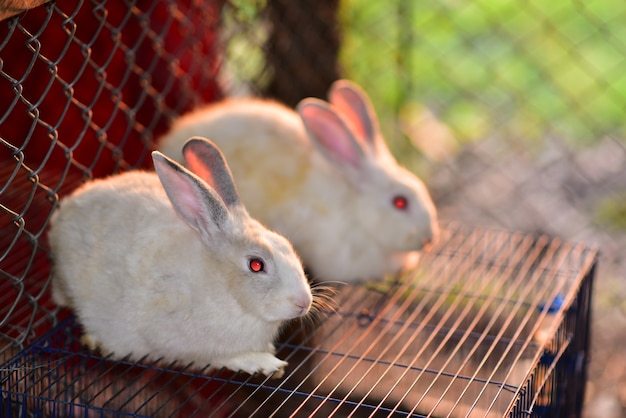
[143, 279]
[325, 184]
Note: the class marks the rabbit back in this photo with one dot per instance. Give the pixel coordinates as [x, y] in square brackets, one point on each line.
[267, 149]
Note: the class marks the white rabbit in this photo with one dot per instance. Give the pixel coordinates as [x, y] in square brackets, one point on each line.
[323, 177]
[174, 268]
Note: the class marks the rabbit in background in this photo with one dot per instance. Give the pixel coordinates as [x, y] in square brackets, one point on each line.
[323, 177]
[171, 266]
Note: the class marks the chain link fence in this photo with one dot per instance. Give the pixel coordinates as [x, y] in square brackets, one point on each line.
[512, 112]
[84, 88]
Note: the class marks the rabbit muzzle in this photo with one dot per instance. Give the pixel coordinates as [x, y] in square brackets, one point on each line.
[420, 239]
[302, 304]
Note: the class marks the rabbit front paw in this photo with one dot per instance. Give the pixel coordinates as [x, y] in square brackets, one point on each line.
[257, 362]
[90, 342]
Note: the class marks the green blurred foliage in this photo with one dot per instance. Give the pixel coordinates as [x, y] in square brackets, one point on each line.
[522, 69]
[244, 56]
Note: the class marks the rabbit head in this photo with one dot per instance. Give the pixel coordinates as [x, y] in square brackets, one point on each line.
[262, 270]
[389, 202]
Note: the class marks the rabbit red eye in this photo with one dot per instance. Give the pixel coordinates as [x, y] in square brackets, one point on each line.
[400, 202]
[256, 265]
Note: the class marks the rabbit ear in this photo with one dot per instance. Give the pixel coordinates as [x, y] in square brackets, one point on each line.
[330, 133]
[197, 204]
[354, 104]
[205, 160]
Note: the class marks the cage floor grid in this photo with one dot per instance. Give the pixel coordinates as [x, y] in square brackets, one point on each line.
[488, 324]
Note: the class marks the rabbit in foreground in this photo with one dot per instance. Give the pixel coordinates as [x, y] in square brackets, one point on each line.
[172, 266]
[323, 177]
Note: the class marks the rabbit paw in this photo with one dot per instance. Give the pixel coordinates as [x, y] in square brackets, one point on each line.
[257, 362]
[90, 342]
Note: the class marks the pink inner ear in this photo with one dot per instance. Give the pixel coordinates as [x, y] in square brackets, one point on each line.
[196, 166]
[187, 203]
[331, 133]
[183, 196]
[354, 118]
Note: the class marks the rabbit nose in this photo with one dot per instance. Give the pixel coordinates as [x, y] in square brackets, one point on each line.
[431, 237]
[434, 234]
[302, 310]
[303, 304]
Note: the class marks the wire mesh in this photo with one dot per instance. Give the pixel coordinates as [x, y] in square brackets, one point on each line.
[87, 86]
[491, 324]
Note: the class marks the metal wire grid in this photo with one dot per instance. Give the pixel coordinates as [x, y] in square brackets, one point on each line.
[85, 86]
[491, 324]
[48, 153]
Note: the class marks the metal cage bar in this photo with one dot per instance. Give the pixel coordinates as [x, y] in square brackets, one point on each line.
[491, 323]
